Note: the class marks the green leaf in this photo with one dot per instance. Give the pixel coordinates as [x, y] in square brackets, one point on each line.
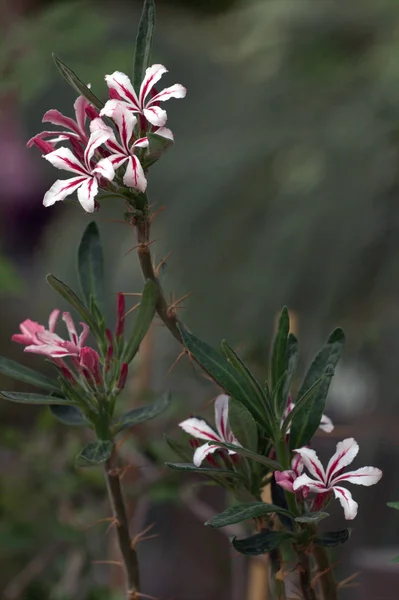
[78, 85]
[393, 505]
[307, 397]
[396, 559]
[94, 454]
[181, 450]
[204, 470]
[243, 425]
[25, 398]
[144, 37]
[307, 420]
[333, 538]
[70, 296]
[21, 373]
[264, 460]
[243, 512]
[312, 517]
[292, 363]
[144, 316]
[69, 415]
[142, 414]
[279, 359]
[91, 266]
[158, 145]
[260, 543]
[225, 375]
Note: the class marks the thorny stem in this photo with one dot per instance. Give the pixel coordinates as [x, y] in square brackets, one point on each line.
[326, 575]
[305, 577]
[129, 556]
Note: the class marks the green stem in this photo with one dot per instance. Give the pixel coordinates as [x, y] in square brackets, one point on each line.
[129, 556]
[282, 458]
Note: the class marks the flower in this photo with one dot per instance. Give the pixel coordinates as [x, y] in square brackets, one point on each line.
[327, 481]
[88, 173]
[199, 428]
[285, 479]
[90, 363]
[325, 424]
[123, 152]
[121, 90]
[40, 340]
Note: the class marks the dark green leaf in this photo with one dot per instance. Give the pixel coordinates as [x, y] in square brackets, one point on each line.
[25, 398]
[70, 296]
[78, 85]
[204, 470]
[183, 451]
[21, 373]
[260, 543]
[292, 363]
[264, 460]
[69, 415]
[144, 37]
[243, 425]
[243, 512]
[279, 359]
[157, 146]
[307, 420]
[91, 266]
[94, 454]
[393, 505]
[225, 375]
[312, 517]
[333, 538]
[143, 413]
[144, 316]
[307, 397]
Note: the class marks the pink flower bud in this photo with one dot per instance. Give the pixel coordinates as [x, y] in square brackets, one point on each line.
[120, 322]
[89, 361]
[122, 376]
[110, 350]
[91, 112]
[284, 479]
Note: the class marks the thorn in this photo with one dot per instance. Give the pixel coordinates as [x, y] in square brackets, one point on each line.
[160, 209]
[132, 309]
[182, 353]
[130, 293]
[321, 573]
[344, 582]
[141, 537]
[163, 261]
[141, 245]
[107, 562]
[114, 522]
[104, 520]
[125, 470]
[172, 307]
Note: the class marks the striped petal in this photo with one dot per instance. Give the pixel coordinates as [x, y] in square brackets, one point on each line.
[120, 83]
[174, 91]
[155, 115]
[344, 455]
[221, 416]
[105, 168]
[200, 429]
[97, 138]
[363, 476]
[312, 463]
[80, 106]
[202, 452]
[62, 158]
[53, 318]
[87, 193]
[61, 189]
[152, 75]
[124, 120]
[317, 487]
[348, 504]
[134, 175]
[56, 118]
[326, 424]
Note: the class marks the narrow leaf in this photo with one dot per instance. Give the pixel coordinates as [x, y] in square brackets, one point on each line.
[25, 398]
[144, 37]
[204, 470]
[279, 358]
[260, 543]
[144, 316]
[181, 450]
[243, 425]
[312, 517]
[292, 363]
[307, 397]
[264, 460]
[243, 512]
[69, 415]
[94, 454]
[142, 414]
[393, 505]
[225, 375]
[307, 420]
[21, 373]
[333, 538]
[158, 145]
[91, 266]
[78, 85]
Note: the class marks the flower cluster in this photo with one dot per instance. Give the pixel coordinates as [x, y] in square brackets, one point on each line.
[96, 155]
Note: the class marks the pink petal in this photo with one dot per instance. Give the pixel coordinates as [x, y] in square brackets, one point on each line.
[80, 111]
[134, 175]
[73, 336]
[56, 118]
[344, 455]
[284, 479]
[312, 463]
[348, 504]
[53, 318]
[326, 424]
[200, 429]
[152, 75]
[61, 189]
[363, 476]
[221, 415]
[317, 487]
[122, 85]
[31, 328]
[174, 91]
[84, 335]
[64, 159]
[155, 115]
[202, 452]
[46, 337]
[87, 193]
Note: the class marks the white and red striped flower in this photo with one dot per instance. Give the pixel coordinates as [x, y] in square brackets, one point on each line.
[121, 90]
[40, 340]
[200, 429]
[88, 173]
[328, 481]
[123, 151]
[325, 424]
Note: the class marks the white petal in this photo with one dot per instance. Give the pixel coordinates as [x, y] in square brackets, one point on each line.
[363, 476]
[297, 464]
[96, 139]
[73, 336]
[344, 455]
[141, 143]
[317, 487]
[348, 504]
[87, 192]
[312, 463]
[156, 115]
[62, 158]
[105, 168]
[152, 75]
[202, 452]
[125, 122]
[165, 132]
[174, 91]
[98, 124]
[121, 83]
[200, 429]
[134, 175]
[222, 415]
[326, 424]
[61, 189]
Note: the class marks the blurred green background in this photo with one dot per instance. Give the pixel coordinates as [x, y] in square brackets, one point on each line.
[282, 188]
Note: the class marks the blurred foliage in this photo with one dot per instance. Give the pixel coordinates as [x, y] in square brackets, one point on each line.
[9, 280]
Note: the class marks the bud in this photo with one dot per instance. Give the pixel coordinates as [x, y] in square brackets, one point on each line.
[193, 443]
[90, 362]
[122, 376]
[91, 113]
[44, 146]
[120, 309]
[110, 350]
[212, 461]
[66, 372]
